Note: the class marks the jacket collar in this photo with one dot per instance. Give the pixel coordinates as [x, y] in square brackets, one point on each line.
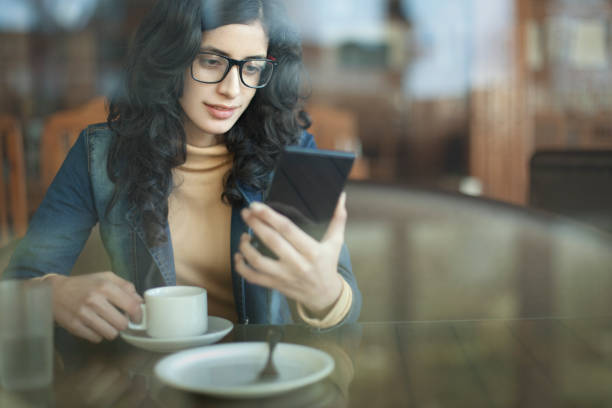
[162, 255]
[249, 194]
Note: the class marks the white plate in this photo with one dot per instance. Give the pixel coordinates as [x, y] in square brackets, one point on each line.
[230, 370]
[217, 329]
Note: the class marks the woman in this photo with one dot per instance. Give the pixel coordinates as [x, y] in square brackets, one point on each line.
[174, 179]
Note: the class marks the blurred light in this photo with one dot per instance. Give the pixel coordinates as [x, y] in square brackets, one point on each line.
[71, 14]
[330, 23]
[470, 186]
[17, 15]
[443, 33]
[458, 46]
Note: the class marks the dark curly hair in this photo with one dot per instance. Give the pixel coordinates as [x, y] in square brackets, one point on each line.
[147, 119]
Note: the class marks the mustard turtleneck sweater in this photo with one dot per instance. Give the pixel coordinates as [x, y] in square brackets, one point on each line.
[200, 225]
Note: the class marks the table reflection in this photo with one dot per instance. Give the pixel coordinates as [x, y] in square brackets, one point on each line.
[427, 255]
[495, 362]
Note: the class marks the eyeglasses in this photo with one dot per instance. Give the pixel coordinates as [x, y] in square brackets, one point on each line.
[210, 68]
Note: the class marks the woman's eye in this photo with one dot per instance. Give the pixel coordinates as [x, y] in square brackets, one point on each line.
[209, 62]
[252, 69]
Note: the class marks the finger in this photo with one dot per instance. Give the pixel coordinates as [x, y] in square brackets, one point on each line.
[335, 230]
[79, 329]
[272, 238]
[97, 323]
[123, 300]
[252, 275]
[109, 313]
[256, 260]
[283, 225]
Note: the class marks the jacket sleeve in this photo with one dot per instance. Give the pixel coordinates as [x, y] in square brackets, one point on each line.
[345, 268]
[61, 225]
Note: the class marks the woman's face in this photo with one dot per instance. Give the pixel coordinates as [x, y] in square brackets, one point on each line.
[212, 109]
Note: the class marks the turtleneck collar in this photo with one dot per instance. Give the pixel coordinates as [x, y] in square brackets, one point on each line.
[206, 158]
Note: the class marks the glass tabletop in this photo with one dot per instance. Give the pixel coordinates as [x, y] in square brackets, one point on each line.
[544, 362]
[428, 255]
[467, 303]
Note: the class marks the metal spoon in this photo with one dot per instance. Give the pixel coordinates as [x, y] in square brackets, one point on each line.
[270, 372]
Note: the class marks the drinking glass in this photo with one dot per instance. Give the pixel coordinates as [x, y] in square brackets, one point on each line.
[26, 334]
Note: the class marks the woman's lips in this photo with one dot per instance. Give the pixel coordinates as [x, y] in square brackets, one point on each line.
[220, 111]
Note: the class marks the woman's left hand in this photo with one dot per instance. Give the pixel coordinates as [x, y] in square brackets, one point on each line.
[306, 269]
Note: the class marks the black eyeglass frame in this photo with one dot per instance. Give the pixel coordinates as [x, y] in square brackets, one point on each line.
[239, 63]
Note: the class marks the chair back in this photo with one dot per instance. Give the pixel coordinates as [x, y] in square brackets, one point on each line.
[573, 183]
[13, 198]
[337, 129]
[60, 131]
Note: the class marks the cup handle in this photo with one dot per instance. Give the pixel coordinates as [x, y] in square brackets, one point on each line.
[143, 322]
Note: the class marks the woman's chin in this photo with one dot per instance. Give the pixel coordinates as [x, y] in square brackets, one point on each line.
[218, 127]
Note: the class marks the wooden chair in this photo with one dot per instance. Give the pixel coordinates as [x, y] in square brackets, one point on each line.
[337, 129]
[60, 131]
[13, 197]
[574, 183]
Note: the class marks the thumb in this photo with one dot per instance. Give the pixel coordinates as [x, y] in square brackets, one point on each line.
[335, 230]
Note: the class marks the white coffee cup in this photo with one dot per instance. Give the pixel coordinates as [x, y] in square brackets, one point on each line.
[174, 311]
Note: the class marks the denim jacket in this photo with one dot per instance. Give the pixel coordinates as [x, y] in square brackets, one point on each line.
[77, 200]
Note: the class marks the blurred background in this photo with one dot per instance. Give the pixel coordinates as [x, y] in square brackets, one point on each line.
[460, 95]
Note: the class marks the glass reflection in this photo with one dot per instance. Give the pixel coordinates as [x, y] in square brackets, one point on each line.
[450, 95]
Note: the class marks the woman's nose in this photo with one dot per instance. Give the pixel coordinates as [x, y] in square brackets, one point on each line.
[230, 86]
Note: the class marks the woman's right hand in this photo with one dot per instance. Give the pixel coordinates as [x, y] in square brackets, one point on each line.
[90, 306]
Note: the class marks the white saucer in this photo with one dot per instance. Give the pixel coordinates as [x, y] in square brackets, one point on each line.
[217, 329]
[230, 370]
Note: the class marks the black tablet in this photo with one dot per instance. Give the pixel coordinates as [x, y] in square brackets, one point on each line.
[307, 184]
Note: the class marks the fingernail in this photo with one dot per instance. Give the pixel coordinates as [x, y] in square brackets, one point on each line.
[245, 212]
[256, 206]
